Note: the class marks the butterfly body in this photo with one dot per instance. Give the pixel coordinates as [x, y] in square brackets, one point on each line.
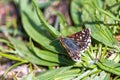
[71, 47]
[76, 43]
[70, 44]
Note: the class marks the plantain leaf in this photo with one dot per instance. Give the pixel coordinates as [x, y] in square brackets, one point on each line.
[101, 76]
[25, 53]
[75, 13]
[51, 30]
[12, 57]
[49, 56]
[57, 73]
[86, 11]
[109, 66]
[103, 34]
[36, 30]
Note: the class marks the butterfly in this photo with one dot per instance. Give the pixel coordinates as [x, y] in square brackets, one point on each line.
[76, 43]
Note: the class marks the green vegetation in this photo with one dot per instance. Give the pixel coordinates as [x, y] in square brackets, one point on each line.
[43, 49]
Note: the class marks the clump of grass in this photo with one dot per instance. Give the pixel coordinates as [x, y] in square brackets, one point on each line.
[102, 17]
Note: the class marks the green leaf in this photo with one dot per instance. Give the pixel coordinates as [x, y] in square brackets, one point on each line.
[107, 77]
[89, 12]
[52, 74]
[25, 53]
[75, 13]
[105, 12]
[86, 73]
[52, 30]
[103, 34]
[99, 76]
[67, 75]
[36, 30]
[52, 57]
[44, 4]
[12, 57]
[28, 77]
[109, 66]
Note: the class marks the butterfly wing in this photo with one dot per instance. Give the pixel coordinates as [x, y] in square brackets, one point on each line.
[82, 39]
[76, 43]
[71, 47]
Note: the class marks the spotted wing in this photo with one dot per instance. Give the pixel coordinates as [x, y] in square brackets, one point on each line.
[82, 39]
[72, 48]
